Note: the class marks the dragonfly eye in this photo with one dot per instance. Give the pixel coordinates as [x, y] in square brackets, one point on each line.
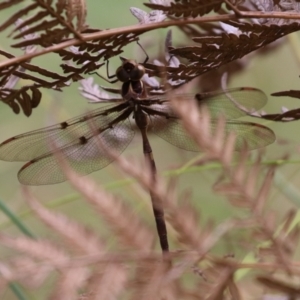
[122, 74]
[137, 73]
[130, 70]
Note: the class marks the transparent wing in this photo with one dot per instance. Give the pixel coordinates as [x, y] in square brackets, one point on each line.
[75, 140]
[33, 144]
[165, 124]
[231, 103]
[172, 132]
[254, 135]
[84, 157]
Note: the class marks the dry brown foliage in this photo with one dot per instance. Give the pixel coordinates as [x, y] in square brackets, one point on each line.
[50, 27]
[87, 269]
[83, 264]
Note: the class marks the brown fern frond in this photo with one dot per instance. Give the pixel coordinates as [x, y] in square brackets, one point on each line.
[129, 230]
[254, 199]
[187, 8]
[216, 50]
[247, 193]
[290, 93]
[77, 8]
[284, 242]
[191, 235]
[273, 12]
[150, 281]
[286, 115]
[216, 41]
[28, 97]
[37, 249]
[43, 78]
[188, 231]
[21, 98]
[221, 282]
[83, 239]
[24, 269]
[50, 17]
[6, 4]
[107, 282]
[269, 239]
[89, 55]
[70, 281]
[288, 288]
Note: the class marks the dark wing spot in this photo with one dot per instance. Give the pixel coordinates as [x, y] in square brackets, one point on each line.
[28, 164]
[82, 140]
[8, 141]
[64, 125]
[248, 89]
[199, 97]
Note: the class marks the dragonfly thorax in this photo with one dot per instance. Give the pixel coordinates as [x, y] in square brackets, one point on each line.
[130, 70]
[133, 90]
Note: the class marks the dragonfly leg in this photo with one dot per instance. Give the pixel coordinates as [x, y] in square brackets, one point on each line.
[147, 57]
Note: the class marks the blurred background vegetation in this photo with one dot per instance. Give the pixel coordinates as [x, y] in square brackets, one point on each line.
[271, 71]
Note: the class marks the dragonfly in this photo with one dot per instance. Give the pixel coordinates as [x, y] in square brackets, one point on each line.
[114, 124]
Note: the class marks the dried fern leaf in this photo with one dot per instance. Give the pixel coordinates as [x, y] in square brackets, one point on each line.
[285, 116]
[28, 97]
[21, 98]
[59, 16]
[80, 237]
[187, 8]
[17, 16]
[217, 50]
[77, 8]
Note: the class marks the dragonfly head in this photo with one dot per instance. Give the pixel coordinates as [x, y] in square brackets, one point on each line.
[130, 70]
